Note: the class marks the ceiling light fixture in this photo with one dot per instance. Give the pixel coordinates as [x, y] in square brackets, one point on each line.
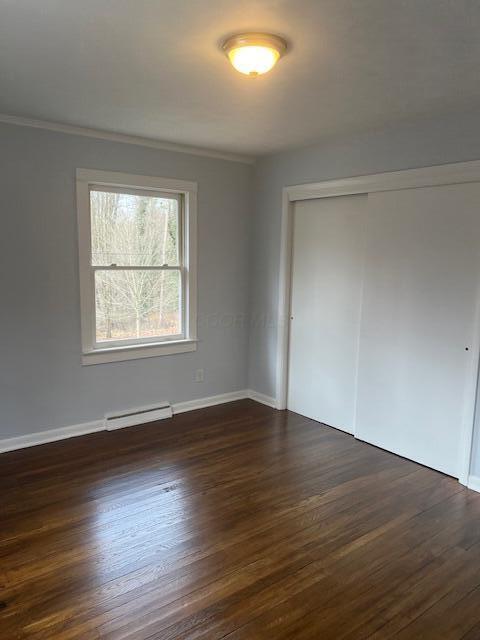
[254, 53]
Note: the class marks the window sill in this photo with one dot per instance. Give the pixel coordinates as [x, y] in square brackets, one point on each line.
[135, 352]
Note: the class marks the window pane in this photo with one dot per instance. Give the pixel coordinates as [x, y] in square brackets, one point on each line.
[137, 304]
[133, 230]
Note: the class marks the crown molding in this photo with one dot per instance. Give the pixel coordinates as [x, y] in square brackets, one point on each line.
[123, 138]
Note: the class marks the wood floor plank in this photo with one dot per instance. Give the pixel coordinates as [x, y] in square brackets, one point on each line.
[236, 521]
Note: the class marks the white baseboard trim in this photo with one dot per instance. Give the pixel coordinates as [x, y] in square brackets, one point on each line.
[201, 403]
[474, 483]
[262, 398]
[52, 435]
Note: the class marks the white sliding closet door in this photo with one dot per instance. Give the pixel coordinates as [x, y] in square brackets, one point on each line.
[420, 289]
[328, 246]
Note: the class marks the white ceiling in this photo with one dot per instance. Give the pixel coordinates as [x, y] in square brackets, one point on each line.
[153, 67]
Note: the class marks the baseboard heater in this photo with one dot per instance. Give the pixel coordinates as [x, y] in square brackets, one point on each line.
[132, 417]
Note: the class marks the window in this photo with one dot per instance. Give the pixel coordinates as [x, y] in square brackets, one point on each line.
[137, 265]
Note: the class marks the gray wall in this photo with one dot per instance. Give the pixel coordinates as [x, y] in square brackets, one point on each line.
[42, 383]
[423, 143]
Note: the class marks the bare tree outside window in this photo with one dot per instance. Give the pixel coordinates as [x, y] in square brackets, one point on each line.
[136, 239]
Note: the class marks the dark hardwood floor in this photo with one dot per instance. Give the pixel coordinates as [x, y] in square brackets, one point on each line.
[235, 522]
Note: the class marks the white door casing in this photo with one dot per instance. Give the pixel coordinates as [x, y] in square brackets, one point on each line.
[454, 174]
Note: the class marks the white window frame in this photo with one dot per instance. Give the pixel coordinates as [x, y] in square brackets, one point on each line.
[186, 195]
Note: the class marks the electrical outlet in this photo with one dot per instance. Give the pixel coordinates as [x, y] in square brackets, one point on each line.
[199, 375]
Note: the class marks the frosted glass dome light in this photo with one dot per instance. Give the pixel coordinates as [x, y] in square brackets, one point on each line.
[254, 53]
